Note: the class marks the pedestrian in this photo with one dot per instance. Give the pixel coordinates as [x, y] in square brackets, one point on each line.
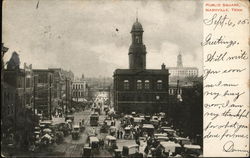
[146, 150]
[137, 141]
[102, 143]
[118, 134]
[121, 133]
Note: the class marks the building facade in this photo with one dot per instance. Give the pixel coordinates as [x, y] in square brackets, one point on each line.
[44, 91]
[18, 100]
[137, 88]
[79, 90]
[21, 80]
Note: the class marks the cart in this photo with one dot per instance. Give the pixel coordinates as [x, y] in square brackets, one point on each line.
[127, 134]
[110, 143]
[112, 130]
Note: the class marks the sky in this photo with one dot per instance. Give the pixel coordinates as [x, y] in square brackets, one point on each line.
[82, 36]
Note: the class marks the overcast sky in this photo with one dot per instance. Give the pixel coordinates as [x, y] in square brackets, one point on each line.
[81, 36]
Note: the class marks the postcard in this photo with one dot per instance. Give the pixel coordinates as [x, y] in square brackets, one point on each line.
[125, 78]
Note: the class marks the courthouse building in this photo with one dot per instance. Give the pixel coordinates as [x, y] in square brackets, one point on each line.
[137, 88]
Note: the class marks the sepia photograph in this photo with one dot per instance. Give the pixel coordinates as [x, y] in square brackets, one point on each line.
[102, 78]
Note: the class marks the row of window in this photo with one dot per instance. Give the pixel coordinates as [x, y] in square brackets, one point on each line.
[77, 86]
[78, 94]
[10, 109]
[173, 91]
[9, 96]
[143, 97]
[139, 84]
[183, 72]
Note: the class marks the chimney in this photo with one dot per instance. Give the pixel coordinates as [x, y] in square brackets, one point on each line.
[163, 66]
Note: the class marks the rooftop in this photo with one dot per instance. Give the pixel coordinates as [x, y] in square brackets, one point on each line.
[183, 68]
[141, 72]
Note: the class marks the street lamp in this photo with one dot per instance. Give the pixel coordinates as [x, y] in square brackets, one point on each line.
[157, 100]
[3, 51]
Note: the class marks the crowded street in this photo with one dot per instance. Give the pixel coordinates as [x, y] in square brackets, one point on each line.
[115, 135]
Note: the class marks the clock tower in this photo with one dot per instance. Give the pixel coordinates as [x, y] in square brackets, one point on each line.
[137, 50]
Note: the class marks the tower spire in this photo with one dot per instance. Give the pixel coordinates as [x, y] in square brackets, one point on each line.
[136, 14]
[179, 60]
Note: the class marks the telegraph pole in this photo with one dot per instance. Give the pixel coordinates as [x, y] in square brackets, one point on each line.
[66, 111]
[3, 51]
[34, 95]
[177, 89]
[50, 99]
[24, 88]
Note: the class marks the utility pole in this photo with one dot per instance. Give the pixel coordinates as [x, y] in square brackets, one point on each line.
[70, 94]
[50, 99]
[177, 89]
[77, 93]
[24, 88]
[17, 101]
[66, 91]
[3, 51]
[34, 95]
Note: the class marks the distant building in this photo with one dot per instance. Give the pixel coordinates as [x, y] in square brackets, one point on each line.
[137, 88]
[79, 90]
[179, 72]
[100, 83]
[182, 75]
[53, 90]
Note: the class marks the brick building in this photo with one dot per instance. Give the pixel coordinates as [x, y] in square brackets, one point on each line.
[137, 88]
[44, 91]
[20, 87]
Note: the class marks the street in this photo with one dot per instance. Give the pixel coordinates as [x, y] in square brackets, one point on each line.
[73, 148]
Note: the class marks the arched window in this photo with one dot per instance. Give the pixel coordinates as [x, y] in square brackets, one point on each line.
[137, 38]
[126, 84]
[81, 86]
[147, 84]
[180, 91]
[139, 84]
[159, 84]
[171, 92]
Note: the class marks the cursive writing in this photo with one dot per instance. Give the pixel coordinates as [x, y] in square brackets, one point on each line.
[228, 125]
[226, 65]
[217, 57]
[221, 21]
[209, 72]
[229, 147]
[220, 84]
[223, 105]
[209, 40]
